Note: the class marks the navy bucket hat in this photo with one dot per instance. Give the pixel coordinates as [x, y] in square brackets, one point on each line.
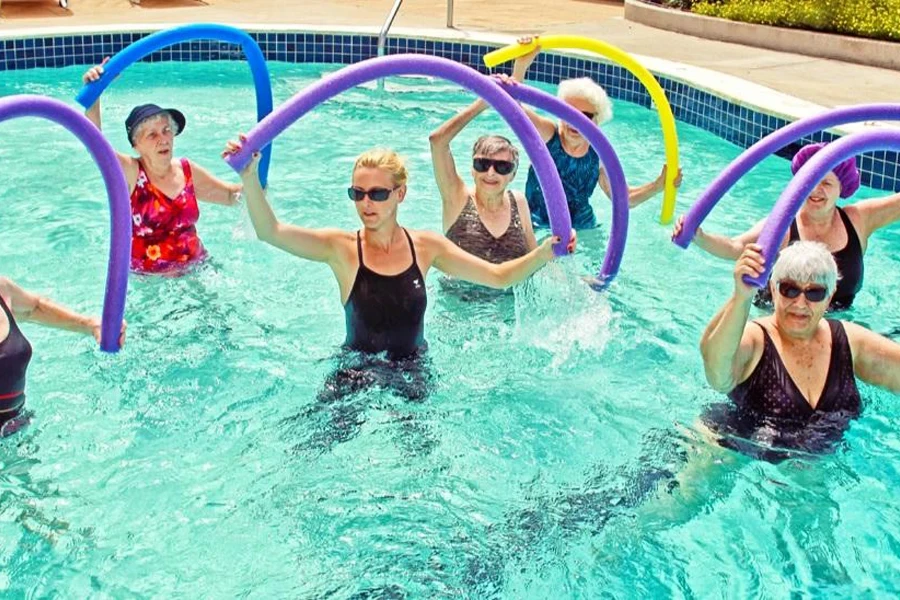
[145, 111]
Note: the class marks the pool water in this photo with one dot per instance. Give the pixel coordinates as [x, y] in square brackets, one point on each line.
[198, 462]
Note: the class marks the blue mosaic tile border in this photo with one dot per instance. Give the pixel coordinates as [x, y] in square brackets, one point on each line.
[731, 121]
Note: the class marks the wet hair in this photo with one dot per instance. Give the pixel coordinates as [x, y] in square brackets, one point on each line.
[586, 89]
[173, 124]
[488, 145]
[806, 262]
[388, 160]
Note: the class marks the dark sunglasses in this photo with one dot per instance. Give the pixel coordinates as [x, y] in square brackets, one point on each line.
[589, 115]
[501, 167]
[375, 194]
[791, 290]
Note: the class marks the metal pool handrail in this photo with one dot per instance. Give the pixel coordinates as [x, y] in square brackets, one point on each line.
[382, 36]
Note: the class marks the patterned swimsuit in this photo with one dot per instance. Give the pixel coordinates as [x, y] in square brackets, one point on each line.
[579, 177]
[163, 235]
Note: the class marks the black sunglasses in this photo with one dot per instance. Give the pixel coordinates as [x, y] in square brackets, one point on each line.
[375, 194]
[791, 290]
[589, 115]
[502, 167]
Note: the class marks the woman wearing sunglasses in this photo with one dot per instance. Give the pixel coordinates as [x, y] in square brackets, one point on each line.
[381, 267]
[845, 231]
[490, 221]
[577, 162]
[792, 375]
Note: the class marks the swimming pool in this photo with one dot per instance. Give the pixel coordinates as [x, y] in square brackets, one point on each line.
[198, 462]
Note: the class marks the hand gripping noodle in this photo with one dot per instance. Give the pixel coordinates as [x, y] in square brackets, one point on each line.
[12, 107]
[414, 64]
[622, 58]
[770, 144]
[200, 31]
[804, 182]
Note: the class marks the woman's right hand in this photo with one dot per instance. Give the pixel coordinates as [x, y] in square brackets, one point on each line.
[233, 147]
[679, 227]
[520, 67]
[94, 73]
[751, 262]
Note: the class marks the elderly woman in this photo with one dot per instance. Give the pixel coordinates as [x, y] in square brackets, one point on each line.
[15, 351]
[381, 268]
[577, 162]
[792, 375]
[164, 189]
[489, 221]
[845, 231]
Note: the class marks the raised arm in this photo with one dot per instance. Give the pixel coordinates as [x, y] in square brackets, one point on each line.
[877, 213]
[212, 189]
[546, 127]
[453, 260]
[26, 306]
[721, 245]
[450, 184]
[728, 345]
[876, 359]
[640, 194]
[319, 245]
[129, 164]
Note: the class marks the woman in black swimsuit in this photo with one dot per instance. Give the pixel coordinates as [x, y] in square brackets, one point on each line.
[792, 375]
[381, 268]
[15, 351]
[845, 231]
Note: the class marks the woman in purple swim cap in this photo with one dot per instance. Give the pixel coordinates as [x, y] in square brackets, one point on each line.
[844, 230]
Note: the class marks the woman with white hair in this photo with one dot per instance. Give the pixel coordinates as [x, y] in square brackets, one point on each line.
[577, 162]
[792, 375]
[490, 220]
[164, 189]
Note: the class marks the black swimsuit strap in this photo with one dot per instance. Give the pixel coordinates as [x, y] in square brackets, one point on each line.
[359, 249]
[852, 236]
[412, 247]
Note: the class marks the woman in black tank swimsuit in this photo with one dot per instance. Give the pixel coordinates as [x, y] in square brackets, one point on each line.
[844, 230]
[381, 268]
[15, 351]
[791, 377]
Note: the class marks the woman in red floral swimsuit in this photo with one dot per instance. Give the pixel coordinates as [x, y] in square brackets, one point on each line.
[164, 189]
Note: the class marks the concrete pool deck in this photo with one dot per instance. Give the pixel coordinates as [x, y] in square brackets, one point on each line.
[820, 81]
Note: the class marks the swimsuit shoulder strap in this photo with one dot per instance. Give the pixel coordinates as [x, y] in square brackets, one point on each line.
[359, 249]
[412, 247]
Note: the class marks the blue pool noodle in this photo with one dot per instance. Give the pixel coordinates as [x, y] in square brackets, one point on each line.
[770, 144]
[414, 64]
[791, 200]
[200, 31]
[12, 107]
[619, 187]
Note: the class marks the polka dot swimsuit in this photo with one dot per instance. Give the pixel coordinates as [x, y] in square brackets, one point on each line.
[770, 392]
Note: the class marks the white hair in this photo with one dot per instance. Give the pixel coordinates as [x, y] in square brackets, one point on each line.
[586, 89]
[173, 125]
[806, 262]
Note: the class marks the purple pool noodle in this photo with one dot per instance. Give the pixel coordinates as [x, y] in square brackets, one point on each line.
[769, 145]
[804, 182]
[12, 107]
[609, 159]
[413, 64]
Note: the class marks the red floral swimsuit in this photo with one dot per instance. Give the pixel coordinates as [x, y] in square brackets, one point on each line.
[163, 236]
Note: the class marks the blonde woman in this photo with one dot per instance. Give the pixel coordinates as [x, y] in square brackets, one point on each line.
[381, 268]
[577, 162]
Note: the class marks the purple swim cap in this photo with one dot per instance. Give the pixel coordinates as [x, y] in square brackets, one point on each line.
[846, 172]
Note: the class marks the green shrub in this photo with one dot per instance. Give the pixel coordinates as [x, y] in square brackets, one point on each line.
[878, 19]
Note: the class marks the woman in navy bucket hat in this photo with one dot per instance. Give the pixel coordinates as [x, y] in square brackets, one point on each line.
[844, 230]
[164, 189]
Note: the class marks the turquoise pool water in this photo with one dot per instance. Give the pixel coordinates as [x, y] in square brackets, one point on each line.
[198, 463]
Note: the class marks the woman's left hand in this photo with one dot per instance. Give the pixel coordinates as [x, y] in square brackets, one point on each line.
[661, 180]
[96, 330]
